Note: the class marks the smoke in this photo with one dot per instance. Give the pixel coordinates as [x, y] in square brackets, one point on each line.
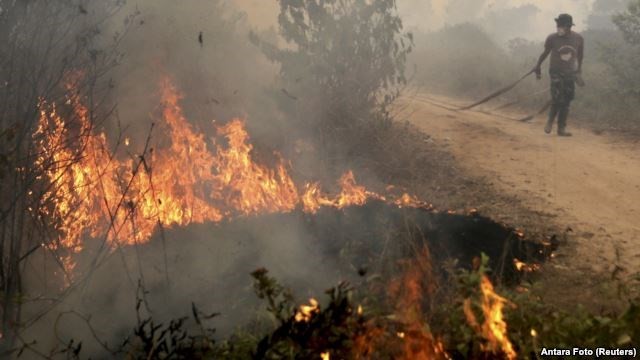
[260, 14]
[207, 265]
[502, 19]
[603, 10]
[204, 49]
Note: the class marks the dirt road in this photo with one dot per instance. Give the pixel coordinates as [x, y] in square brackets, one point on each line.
[591, 182]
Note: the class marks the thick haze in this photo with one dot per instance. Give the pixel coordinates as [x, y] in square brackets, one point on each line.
[502, 19]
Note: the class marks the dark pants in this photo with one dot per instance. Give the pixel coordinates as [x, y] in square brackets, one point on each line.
[563, 91]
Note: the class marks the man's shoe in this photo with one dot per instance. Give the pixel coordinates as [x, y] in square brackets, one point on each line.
[548, 126]
[564, 133]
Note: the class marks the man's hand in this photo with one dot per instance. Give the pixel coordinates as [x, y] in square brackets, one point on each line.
[538, 72]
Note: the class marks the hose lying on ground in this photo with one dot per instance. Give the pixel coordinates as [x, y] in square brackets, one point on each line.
[519, 100]
[498, 92]
[543, 109]
[452, 107]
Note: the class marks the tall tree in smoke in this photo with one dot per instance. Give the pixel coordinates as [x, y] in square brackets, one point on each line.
[343, 66]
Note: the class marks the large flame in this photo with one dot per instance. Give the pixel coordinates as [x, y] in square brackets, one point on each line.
[94, 191]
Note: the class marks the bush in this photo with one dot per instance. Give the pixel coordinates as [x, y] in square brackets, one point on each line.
[628, 22]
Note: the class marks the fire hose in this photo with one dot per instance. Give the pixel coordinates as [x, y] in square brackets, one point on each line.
[506, 89]
[498, 92]
[519, 100]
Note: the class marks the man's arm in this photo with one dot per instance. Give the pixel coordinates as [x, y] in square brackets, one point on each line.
[542, 58]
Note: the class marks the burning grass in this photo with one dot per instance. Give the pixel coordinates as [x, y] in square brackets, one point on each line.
[93, 191]
[419, 291]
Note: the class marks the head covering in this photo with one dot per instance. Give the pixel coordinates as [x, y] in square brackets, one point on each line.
[564, 20]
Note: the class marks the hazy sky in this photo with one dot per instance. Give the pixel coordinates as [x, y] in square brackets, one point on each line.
[505, 19]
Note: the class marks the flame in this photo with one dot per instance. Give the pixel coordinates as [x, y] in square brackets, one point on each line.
[325, 356]
[407, 292]
[246, 186]
[407, 200]
[494, 328]
[351, 194]
[307, 311]
[522, 266]
[313, 198]
[93, 191]
[81, 169]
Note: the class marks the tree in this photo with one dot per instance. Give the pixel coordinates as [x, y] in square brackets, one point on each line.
[343, 65]
[628, 22]
[623, 58]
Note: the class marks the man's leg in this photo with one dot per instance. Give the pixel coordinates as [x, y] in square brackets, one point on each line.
[563, 115]
[556, 99]
[553, 111]
[568, 93]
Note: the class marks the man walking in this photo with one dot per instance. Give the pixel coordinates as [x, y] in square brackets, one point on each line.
[567, 50]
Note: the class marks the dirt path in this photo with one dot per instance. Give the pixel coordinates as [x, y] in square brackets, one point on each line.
[590, 182]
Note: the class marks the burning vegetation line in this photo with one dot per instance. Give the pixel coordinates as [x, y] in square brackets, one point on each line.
[186, 182]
